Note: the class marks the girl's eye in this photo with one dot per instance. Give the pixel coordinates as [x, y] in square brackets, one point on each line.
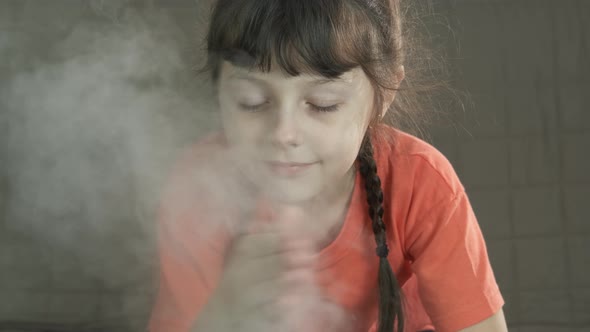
[258, 107]
[330, 108]
[252, 108]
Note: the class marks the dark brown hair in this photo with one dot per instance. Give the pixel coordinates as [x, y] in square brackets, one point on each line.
[327, 38]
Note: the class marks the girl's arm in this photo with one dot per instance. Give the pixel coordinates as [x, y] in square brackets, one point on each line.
[190, 266]
[456, 282]
[496, 323]
[191, 248]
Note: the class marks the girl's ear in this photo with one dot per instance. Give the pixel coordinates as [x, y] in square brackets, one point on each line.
[398, 77]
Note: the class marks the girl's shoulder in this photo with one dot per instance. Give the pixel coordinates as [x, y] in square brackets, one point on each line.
[410, 162]
[200, 150]
[201, 180]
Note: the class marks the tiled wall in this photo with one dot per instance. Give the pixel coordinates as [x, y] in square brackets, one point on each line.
[522, 153]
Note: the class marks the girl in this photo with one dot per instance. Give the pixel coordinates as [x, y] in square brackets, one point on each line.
[347, 209]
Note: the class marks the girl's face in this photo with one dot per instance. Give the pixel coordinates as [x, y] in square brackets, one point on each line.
[302, 133]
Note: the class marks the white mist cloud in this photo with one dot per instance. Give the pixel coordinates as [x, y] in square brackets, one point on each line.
[109, 104]
[92, 114]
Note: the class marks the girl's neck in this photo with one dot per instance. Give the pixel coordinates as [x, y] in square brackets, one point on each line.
[327, 213]
[335, 197]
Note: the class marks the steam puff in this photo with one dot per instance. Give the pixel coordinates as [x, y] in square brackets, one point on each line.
[91, 116]
[94, 128]
[87, 136]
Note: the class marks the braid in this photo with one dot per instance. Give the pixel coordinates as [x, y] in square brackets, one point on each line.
[390, 303]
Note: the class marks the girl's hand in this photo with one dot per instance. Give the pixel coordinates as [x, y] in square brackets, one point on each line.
[263, 264]
[269, 284]
[245, 297]
[303, 305]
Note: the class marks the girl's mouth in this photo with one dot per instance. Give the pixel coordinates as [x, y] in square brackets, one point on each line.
[289, 169]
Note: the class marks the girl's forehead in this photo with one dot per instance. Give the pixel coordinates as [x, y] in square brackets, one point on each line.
[232, 72]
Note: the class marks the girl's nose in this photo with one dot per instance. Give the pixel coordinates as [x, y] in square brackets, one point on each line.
[286, 132]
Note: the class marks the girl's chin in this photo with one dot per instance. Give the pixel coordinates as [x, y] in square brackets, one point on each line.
[291, 193]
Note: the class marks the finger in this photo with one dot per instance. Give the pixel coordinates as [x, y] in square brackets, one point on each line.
[299, 280]
[293, 224]
[259, 300]
[295, 259]
[290, 218]
[294, 242]
[264, 292]
[245, 271]
[257, 245]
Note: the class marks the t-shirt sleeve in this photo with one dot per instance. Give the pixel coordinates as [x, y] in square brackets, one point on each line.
[450, 260]
[191, 256]
[189, 272]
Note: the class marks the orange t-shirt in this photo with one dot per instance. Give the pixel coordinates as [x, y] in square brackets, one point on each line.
[436, 247]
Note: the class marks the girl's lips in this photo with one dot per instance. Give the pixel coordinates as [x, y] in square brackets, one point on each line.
[288, 168]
